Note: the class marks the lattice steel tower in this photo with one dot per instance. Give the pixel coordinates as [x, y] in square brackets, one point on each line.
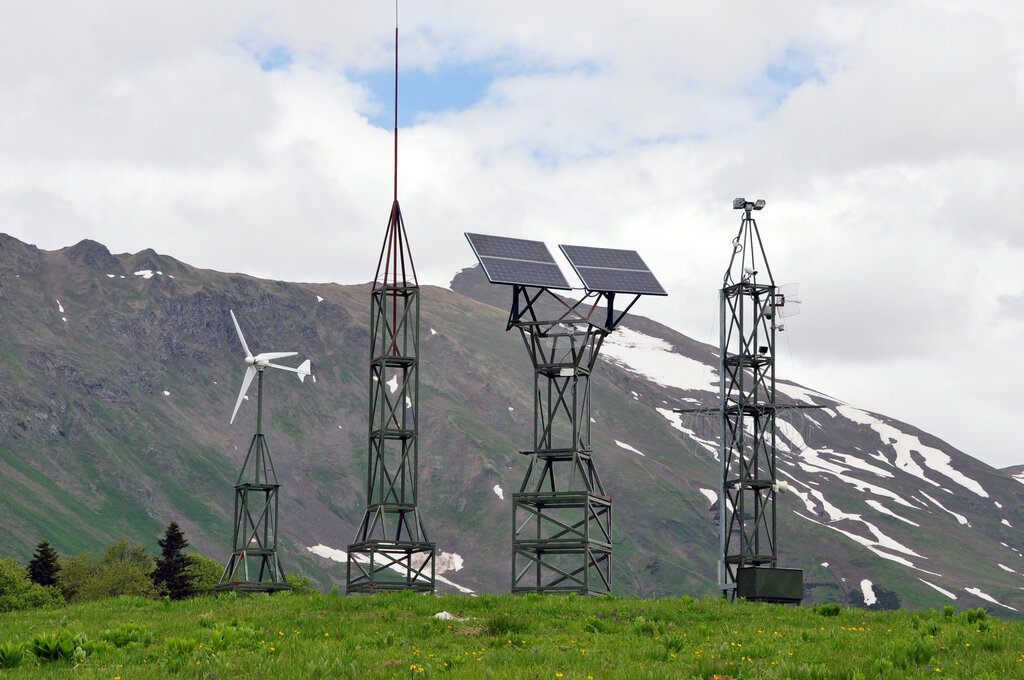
[254, 565]
[391, 550]
[749, 305]
[562, 515]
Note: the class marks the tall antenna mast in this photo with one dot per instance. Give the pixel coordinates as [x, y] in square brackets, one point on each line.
[391, 550]
[396, 102]
[749, 554]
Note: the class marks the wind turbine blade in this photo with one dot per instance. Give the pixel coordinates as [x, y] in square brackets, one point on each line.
[267, 356]
[250, 373]
[302, 370]
[240, 336]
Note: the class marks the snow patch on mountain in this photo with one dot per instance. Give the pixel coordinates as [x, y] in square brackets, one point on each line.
[623, 445]
[676, 420]
[875, 505]
[945, 592]
[959, 518]
[712, 496]
[869, 593]
[654, 359]
[905, 444]
[988, 598]
[878, 545]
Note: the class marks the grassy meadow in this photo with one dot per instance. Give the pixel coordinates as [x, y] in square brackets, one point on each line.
[398, 635]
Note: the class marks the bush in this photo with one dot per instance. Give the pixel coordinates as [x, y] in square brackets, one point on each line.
[74, 573]
[203, 573]
[18, 592]
[124, 570]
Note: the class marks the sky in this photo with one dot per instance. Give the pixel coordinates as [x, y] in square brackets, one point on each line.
[885, 136]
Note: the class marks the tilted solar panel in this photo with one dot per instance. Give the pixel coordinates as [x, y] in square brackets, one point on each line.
[610, 270]
[517, 261]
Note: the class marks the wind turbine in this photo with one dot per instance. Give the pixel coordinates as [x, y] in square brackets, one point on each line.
[257, 364]
[254, 565]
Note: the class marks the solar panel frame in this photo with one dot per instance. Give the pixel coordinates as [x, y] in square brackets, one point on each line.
[517, 261]
[611, 270]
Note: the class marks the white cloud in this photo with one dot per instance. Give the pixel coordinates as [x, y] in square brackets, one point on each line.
[883, 136]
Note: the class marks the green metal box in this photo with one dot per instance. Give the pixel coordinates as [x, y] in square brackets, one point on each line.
[770, 585]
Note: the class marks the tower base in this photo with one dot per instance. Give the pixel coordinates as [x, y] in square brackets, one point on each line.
[390, 565]
[562, 543]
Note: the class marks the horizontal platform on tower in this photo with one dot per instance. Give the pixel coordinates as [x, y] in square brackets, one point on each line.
[392, 546]
[373, 508]
[736, 483]
[561, 499]
[256, 487]
[747, 288]
[254, 552]
[755, 409]
[397, 360]
[748, 360]
[392, 434]
[253, 586]
[560, 454]
[753, 560]
[557, 546]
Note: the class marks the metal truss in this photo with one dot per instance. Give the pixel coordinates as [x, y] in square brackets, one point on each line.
[561, 515]
[747, 410]
[391, 550]
[254, 565]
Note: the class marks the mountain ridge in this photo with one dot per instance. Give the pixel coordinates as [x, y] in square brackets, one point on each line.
[123, 369]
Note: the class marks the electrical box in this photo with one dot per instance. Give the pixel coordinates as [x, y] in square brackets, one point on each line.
[764, 584]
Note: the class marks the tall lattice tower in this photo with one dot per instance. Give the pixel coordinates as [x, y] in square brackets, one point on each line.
[750, 305]
[391, 550]
[562, 515]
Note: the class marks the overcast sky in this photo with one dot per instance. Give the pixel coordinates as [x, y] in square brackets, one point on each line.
[886, 138]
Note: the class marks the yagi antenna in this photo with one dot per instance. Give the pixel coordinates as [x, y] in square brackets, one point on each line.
[255, 364]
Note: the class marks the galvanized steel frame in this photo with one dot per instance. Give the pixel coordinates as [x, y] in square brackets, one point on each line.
[561, 515]
[747, 448]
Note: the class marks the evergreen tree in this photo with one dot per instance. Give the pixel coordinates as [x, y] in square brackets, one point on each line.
[171, 575]
[45, 564]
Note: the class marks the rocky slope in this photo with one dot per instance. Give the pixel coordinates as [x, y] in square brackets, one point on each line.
[120, 373]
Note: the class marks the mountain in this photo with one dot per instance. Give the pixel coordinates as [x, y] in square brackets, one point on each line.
[120, 373]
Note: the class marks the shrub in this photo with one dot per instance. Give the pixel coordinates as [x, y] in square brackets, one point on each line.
[74, 573]
[203, 573]
[18, 592]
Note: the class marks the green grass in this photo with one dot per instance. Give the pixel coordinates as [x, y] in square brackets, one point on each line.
[396, 635]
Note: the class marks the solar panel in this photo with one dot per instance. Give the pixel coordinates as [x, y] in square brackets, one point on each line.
[517, 261]
[609, 270]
